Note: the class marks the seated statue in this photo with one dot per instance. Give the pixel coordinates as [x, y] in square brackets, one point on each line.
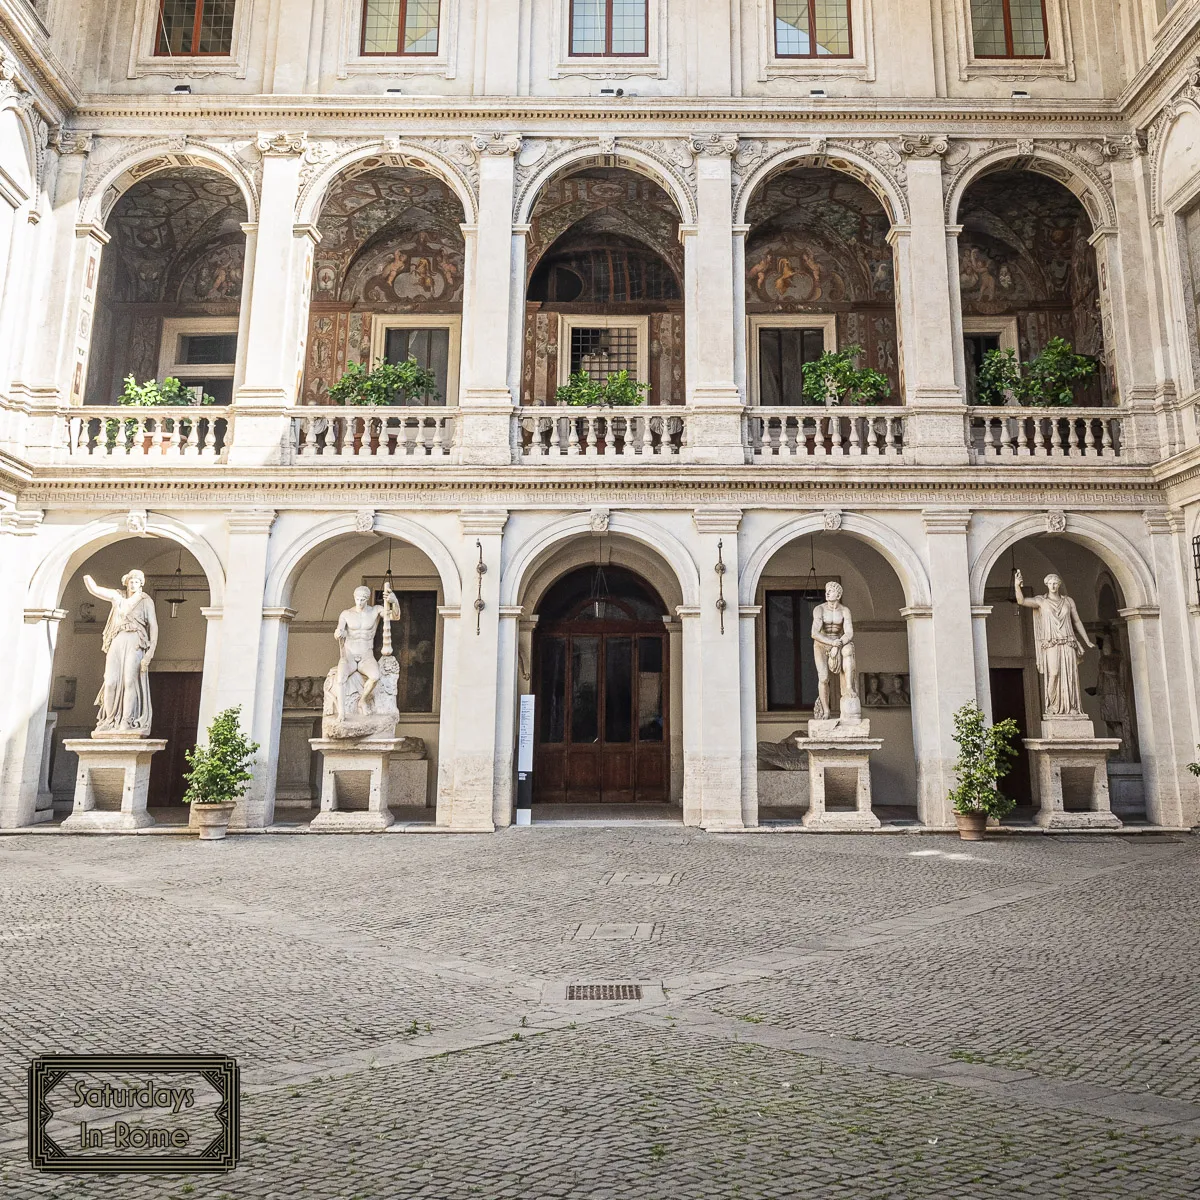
[360, 692]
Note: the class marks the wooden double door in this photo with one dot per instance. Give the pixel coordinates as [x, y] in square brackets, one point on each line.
[601, 709]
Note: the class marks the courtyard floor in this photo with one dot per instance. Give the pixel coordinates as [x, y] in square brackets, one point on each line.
[841, 1016]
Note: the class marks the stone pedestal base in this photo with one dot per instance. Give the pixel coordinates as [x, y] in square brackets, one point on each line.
[1072, 782]
[356, 784]
[839, 772]
[113, 782]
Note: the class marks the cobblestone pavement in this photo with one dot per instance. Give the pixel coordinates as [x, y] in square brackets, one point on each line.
[891, 1016]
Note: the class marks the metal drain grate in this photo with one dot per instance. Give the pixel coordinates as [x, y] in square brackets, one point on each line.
[604, 991]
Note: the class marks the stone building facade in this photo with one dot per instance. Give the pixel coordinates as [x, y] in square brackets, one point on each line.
[254, 196]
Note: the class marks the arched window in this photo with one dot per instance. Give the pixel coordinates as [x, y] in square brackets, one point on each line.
[1009, 28]
[812, 29]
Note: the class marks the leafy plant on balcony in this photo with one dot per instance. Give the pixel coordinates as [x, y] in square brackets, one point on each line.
[155, 394]
[619, 390]
[985, 756]
[834, 379]
[1053, 375]
[389, 383]
[1049, 379]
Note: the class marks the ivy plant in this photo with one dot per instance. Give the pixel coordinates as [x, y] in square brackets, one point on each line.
[1051, 377]
[834, 379]
[220, 771]
[619, 390]
[387, 384]
[985, 756]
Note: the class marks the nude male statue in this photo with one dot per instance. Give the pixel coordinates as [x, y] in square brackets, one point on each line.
[833, 650]
[355, 634]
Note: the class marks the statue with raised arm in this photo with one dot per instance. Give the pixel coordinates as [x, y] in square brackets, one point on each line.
[833, 649]
[1059, 639]
[360, 693]
[130, 637]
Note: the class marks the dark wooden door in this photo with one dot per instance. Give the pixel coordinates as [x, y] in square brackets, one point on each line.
[175, 699]
[1008, 700]
[602, 712]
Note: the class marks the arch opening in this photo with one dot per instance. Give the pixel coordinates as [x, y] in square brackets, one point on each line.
[387, 280]
[1028, 274]
[819, 277]
[1104, 691]
[168, 298]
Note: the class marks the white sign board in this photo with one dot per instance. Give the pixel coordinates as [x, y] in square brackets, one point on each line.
[525, 735]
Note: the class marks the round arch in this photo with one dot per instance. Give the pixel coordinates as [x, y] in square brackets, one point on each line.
[534, 551]
[60, 563]
[846, 162]
[902, 558]
[1170, 189]
[282, 577]
[367, 158]
[1113, 549]
[18, 144]
[1076, 176]
[102, 194]
[626, 158]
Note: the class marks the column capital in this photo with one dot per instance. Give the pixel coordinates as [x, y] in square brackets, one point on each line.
[280, 144]
[922, 145]
[717, 519]
[896, 232]
[286, 615]
[212, 614]
[981, 610]
[946, 520]
[916, 611]
[1141, 612]
[50, 615]
[21, 521]
[90, 229]
[1163, 520]
[496, 144]
[308, 231]
[250, 520]
[483, 522]
[714, 145]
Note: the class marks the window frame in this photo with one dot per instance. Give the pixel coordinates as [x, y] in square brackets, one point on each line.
[608, 52]
[399, 52]
[1006, 9]
[168, 53]
[144, 62]
[794, 585]
[170, 347]
[382, 322]
[569, 321]
[1058, 63]
[826, 322]
[812, 20]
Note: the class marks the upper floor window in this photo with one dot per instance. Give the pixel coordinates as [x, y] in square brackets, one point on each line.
[195, 27]
[812, 29]
[609, 28]
[1009, 28]
[400, 26]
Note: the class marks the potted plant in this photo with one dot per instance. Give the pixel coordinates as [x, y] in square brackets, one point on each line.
[985, 755]
[998, 378]
[389, 383]
[219, 774]
[834, 379]
[152, 393]
[1049, 379]
[619, 390]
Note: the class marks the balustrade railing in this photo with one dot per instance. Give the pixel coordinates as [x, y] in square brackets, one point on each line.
[411, 433]
[119, 432]
[629, 434]
[1046, 433]
[790, 433]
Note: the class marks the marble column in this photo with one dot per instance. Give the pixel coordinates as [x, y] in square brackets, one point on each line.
[715, 419]
[924, 271]
[486, 401]
[713, 727]
[748, 615]
[274, 307]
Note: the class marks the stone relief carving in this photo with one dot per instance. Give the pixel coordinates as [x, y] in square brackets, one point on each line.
[785, 755]
[598, 520]
[135, 520]
[1056, 521]
[832, 519]
[304, 691]
[364, 520]
[885, 689]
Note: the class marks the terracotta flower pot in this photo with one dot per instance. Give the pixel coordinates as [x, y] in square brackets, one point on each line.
[971, 825]
[213, 819]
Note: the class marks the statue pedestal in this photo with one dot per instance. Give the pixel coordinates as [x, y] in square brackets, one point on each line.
[839, 772]
[113, 782]
[356, 782]
[1071, 776]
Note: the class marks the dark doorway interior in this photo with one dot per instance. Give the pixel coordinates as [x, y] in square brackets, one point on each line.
[175, 698]
[600, 663]
[1008, 700]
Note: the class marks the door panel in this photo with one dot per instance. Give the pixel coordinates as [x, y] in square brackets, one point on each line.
[175, 704]
[1008, 700]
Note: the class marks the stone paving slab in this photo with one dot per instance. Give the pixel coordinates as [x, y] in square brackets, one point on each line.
[841, 1017]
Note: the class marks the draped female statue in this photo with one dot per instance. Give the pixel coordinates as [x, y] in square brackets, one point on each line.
[130, 636]
[1057, 633]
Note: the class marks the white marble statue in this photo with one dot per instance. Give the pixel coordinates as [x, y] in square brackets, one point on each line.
[833, 649]
[1060, 638]
[360, 692]
[130, 637]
